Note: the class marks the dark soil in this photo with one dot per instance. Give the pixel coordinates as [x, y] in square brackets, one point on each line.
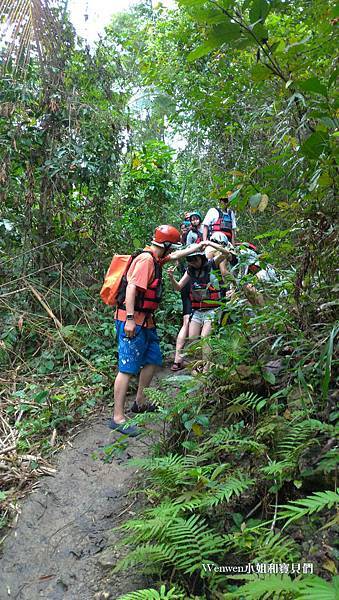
[63, 547]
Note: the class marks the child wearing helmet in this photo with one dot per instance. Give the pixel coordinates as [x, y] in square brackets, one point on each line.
[194, 235]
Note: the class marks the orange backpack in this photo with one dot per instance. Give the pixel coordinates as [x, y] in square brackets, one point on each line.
[117, 269]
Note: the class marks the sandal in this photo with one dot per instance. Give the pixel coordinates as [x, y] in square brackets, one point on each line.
[124, 428]
[177, 366]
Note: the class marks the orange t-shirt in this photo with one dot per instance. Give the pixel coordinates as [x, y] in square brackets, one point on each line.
[141, 273]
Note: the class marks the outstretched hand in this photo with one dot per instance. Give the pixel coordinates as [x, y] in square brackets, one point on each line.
[170, 272]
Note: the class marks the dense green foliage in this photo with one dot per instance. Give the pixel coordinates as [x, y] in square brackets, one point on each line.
[171, 108]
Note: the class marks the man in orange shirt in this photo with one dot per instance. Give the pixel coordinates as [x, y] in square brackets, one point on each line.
[138, 342]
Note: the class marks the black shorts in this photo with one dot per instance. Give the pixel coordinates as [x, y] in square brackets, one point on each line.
[186, 301]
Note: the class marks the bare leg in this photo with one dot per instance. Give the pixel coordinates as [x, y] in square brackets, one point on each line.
[145, 379]
[194, 334]
[194, 330]
[181, 339]
[120, 390]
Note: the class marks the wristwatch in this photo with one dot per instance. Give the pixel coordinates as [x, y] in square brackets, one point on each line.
[130, 317]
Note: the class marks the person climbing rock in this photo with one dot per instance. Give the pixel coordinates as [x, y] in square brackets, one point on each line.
[195, 232]
[249, 264]
[205, 289]
[221, 239]
[138, 342]
[221, 219]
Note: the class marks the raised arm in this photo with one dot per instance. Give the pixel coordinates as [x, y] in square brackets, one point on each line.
[218, 247]
[177, 285]
[182, 253]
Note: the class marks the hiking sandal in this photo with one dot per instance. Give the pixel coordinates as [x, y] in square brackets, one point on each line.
[124, 428]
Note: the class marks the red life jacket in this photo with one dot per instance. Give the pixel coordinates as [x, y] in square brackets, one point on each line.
[199, 236]
[223, 223]
[147, 301]
[203, 295]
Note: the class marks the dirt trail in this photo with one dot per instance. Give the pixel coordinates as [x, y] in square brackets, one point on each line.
[61, 548]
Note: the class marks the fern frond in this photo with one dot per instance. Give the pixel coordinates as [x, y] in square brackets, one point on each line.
[235, 410]
[275, 548]
[296, 509]
[152, 555]
[166, 471]
[315, 588]
[299, 436]
[154, 522]
[250, 401]
[232, 439]
[329, 461]
[256, 588]
[193, 543]
[234, 486]
[278, 468]
[151, 594]
[282, 586]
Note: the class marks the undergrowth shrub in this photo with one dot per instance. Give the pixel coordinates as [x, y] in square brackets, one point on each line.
[239, 451]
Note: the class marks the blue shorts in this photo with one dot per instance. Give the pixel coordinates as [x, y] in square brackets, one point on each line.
[137, 352]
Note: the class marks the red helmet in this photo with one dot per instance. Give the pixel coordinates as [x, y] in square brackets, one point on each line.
[166, 236]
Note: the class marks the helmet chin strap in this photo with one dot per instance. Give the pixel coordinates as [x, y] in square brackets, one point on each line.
[167, 247]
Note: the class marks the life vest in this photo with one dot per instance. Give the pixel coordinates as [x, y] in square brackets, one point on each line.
[223, 223]
[203, 295]
[198, 234]
[253, 269]
[147, 301]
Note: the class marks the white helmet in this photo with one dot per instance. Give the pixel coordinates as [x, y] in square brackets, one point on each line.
[219, 238]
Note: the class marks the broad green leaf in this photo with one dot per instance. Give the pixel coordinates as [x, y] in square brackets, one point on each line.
[259, 10]
[191, 3]
[313, 85]
[260, 73]
[197, 429]
[208, 15]
[260, 32]
[334, 76]
[254, 200]
[225, 32]
[203, 420]
[202, 50]
[315, 144]
[234, 195]
[263, 203]
[269, 377]
[244, 42]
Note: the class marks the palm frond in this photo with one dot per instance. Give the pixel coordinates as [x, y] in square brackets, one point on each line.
[29, 29]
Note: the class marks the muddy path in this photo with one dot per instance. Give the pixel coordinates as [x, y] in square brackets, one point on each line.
[63, 547]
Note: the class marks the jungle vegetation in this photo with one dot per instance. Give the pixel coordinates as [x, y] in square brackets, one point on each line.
[98, 146]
